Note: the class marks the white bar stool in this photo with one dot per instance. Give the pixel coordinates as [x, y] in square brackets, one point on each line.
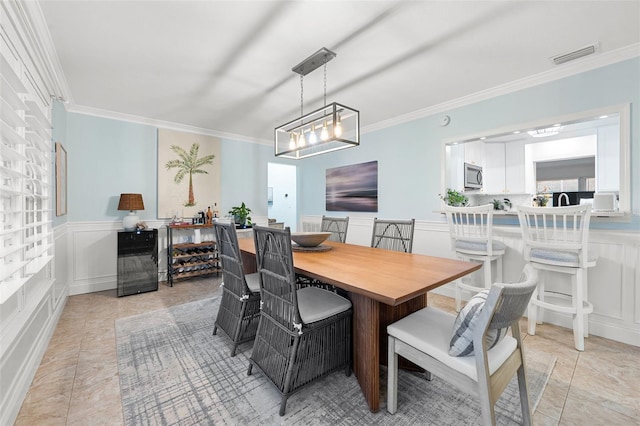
[471, 232]
[556, 239]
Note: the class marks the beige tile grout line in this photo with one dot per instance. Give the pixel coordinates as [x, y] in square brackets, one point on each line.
[75, 373]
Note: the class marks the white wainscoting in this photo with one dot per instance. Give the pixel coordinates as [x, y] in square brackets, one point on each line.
[92, 258]
[614, 283]
[27, 321]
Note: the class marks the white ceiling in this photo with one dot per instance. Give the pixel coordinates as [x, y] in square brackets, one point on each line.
[226, 66]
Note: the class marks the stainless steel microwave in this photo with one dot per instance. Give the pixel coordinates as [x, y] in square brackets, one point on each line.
[472, 176]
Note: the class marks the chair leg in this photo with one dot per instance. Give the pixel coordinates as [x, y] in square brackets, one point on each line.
[392, 377]
[215, 329]
[458, 297]
[249, 369]
[532, 314]
[524, 396]
[283, 404]
[541, 291]
[238, 330]
[487, 272]
[578, 316]
[486, 404]
[585, 298]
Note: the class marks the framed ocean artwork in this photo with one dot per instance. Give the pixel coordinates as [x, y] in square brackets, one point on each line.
[353, 188]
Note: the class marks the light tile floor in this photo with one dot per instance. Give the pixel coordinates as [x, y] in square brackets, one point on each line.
[77, 381]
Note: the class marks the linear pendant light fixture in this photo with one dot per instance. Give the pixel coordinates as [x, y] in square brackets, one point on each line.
[330, 128]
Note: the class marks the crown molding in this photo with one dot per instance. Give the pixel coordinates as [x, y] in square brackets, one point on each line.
[97, 112]
[561, 71]
[35, 26]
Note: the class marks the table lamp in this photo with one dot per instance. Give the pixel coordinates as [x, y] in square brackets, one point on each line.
[131, 202]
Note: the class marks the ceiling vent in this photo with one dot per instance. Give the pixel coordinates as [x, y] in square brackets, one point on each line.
[570, 56]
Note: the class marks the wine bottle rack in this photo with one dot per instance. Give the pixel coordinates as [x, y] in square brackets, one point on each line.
[190, 259]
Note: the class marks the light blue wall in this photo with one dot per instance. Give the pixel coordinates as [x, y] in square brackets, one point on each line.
[409, 154]
[107, 157]
[244, 175]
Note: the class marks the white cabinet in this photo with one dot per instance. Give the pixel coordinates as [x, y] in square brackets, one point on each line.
[474, 153]
[503, 165]
[514, 167]
[494, 169]
[455, 166]
[504, 168]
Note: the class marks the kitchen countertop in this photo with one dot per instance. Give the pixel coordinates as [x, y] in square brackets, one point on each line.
[514, 212]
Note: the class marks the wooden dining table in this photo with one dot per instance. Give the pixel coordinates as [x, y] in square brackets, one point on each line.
[383, 286]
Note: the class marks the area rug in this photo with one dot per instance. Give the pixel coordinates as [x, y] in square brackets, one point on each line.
[173, 371]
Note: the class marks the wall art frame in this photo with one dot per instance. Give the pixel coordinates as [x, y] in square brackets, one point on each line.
[61, 180]
[352, 188]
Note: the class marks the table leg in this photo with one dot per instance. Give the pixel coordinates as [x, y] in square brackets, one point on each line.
[249, 263]
[366, 345]
[389, 315]
[370, 320]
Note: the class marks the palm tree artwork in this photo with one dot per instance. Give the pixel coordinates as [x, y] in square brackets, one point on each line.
[189, 164]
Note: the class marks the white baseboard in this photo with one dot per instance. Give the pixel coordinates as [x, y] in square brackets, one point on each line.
[90, 287]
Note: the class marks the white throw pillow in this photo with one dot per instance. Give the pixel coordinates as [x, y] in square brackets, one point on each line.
[462, 338]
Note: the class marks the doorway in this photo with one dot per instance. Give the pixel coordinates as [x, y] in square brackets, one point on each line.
[282, 194]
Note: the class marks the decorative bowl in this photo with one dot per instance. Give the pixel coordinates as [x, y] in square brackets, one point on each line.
[309, 239]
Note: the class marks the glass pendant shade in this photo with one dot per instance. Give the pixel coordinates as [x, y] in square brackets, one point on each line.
[340, 129]
[313, 138]
[324, 133]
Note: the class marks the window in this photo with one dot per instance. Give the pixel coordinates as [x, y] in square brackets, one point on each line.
[565, 185]
[26, 240]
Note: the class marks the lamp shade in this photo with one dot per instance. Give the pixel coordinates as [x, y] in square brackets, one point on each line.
[131, 202]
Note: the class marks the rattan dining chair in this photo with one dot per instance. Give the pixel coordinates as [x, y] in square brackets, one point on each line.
[337, 226]
[239, 311]
[304, 334]
[396, 235]
[488, 356]
[556, 240]
[472, 239]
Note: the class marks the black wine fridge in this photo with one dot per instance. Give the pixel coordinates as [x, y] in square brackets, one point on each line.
[137, 262]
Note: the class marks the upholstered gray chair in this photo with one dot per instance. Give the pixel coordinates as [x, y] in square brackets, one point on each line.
[471, 232]
[556, 240]
[239, 311]
[337, 226]
[396, 235]
[486, 357]
[304, 334]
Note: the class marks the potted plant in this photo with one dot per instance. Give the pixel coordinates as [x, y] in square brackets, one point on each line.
[497, 204]
[241, 215]
[454, 198]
